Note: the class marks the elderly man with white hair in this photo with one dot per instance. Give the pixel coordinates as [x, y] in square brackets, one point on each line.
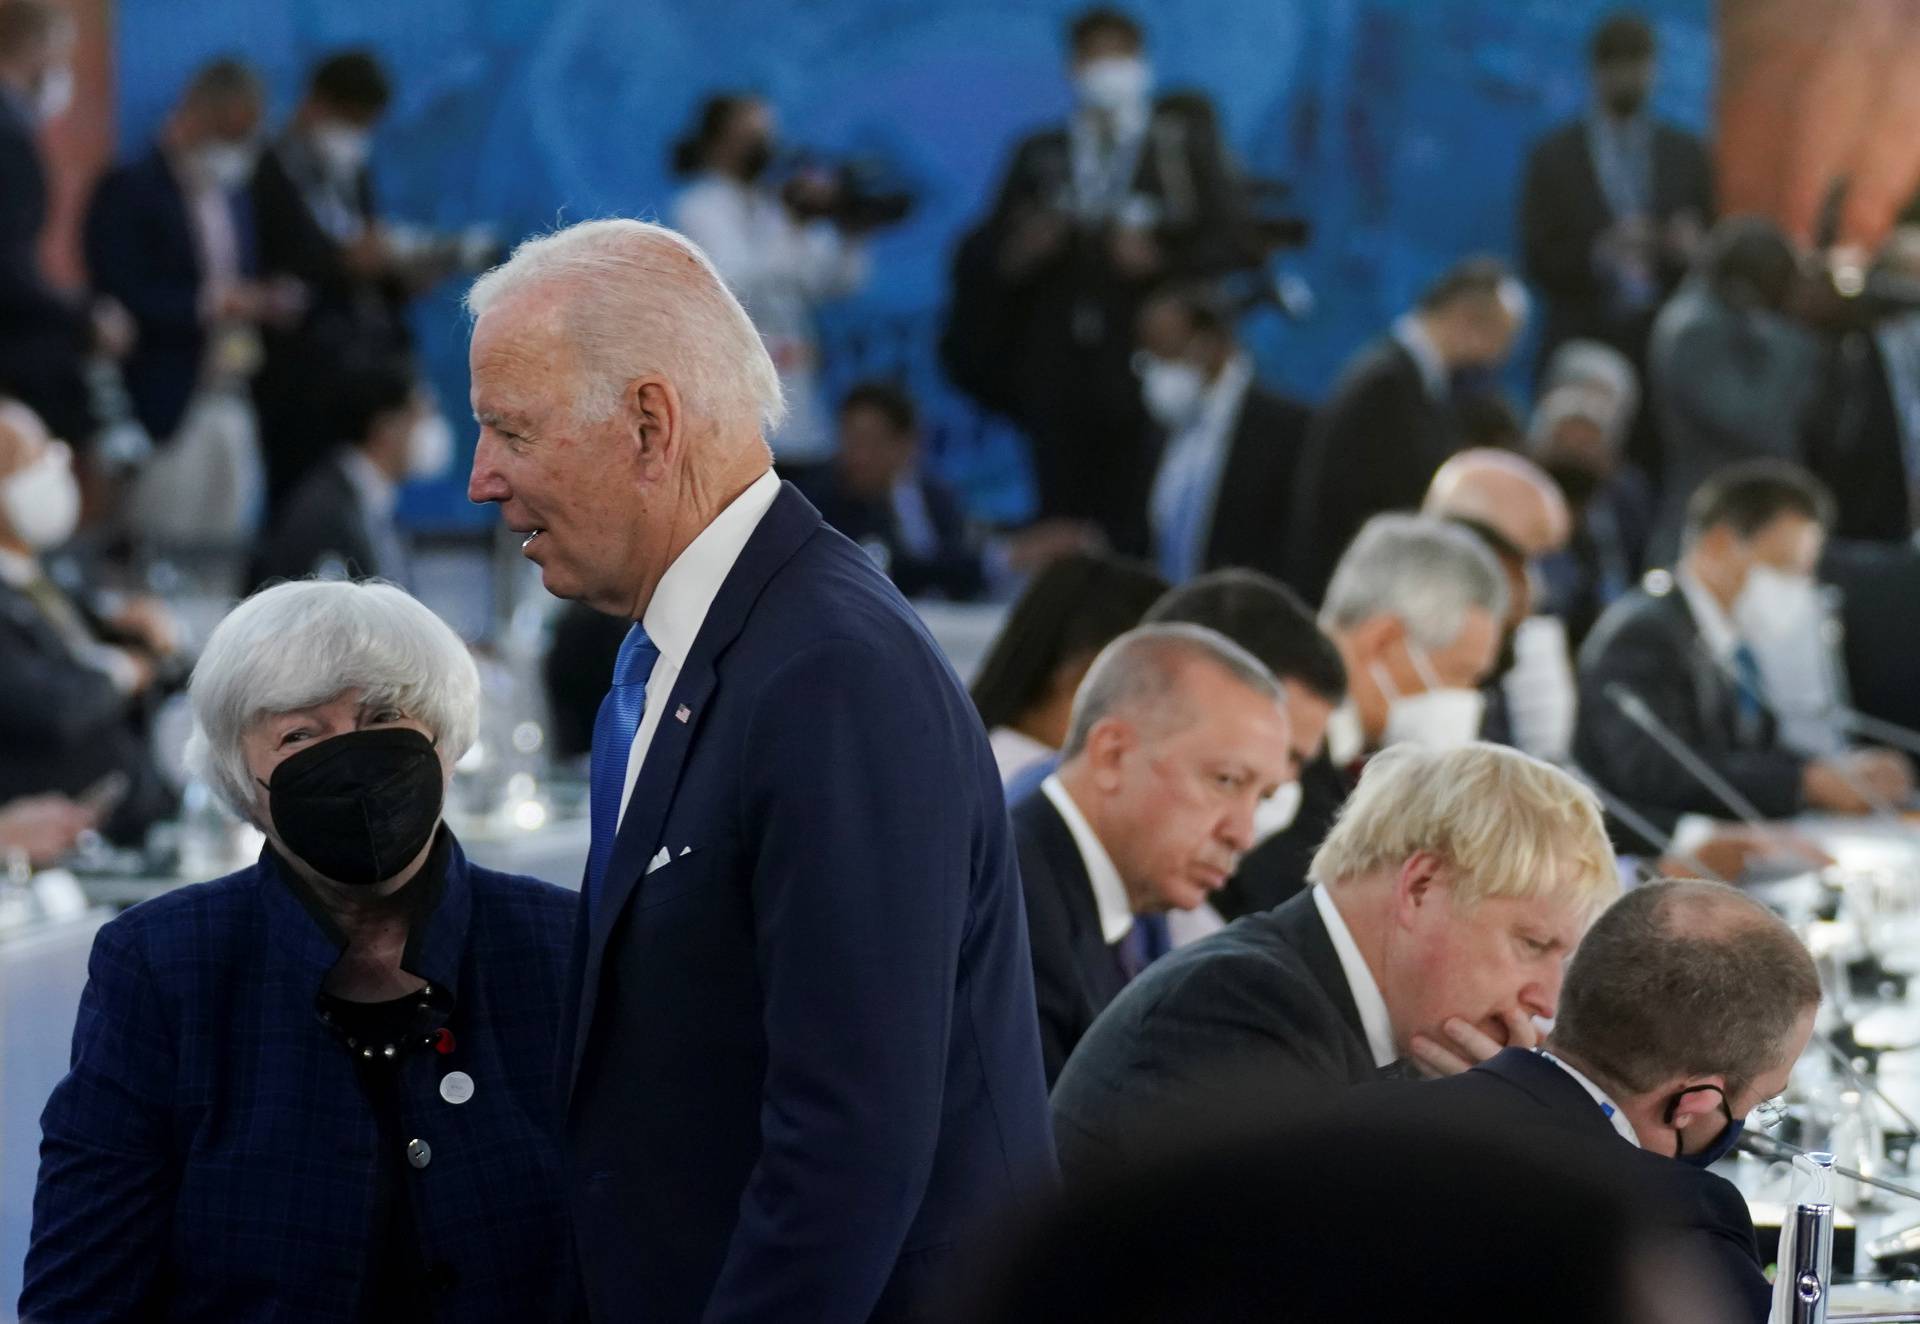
[1444, 906]
[321, 1086]
[805, 1056]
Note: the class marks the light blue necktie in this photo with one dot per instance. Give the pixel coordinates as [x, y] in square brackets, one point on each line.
[1750, 692]
[613, 731]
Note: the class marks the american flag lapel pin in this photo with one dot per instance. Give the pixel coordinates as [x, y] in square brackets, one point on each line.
[682, 713]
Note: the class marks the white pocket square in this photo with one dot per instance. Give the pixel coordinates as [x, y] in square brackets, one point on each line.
[658, 860]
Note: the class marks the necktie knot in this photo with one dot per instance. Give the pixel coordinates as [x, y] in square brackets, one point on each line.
[636, 657]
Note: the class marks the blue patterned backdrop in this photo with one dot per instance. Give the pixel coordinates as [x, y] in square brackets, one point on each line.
[1401, 123]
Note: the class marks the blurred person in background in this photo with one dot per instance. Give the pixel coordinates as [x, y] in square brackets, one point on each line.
[170, 235]
[1047, 291]
[1269, 620]
[1445, 904]
[778, 249]
[318, 223]
[1578, 434]
[1686, 646]
[46, 333]
[322, 1086]
[339, 522]
[40, 829]
[1414, 612]
[1178, 736]
[1224, 484]
[1613, 207]
[77, 685]
[1389, 422]
[1066, 614]
[1511, 504]
[1732, 375]
[876, 492]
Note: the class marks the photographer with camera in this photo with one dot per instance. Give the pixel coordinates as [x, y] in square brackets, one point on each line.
[781, 250]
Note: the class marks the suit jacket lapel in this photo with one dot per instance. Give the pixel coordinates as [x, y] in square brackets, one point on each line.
[1299, 922]
[1098, 968]
[788, 523]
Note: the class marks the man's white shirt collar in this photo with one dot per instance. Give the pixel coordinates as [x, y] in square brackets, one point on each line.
[1374, 1018]
[378, 493]
[679, 606]
[17, 570]
[1414, 339]
[1717, 630]
[1599, 1096]
[1109, 892]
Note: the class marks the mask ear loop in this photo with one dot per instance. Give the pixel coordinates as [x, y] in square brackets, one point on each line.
[1673, 1107]
[1423, 666]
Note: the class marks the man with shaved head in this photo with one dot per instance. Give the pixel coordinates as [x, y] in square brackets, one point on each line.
[804, 1060]
[1177, 736]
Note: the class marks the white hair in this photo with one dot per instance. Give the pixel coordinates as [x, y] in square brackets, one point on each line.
[1138, 675]
[1596, 365]
[641, 298]
[1425, 572]
[1570, 401]
[296, 645]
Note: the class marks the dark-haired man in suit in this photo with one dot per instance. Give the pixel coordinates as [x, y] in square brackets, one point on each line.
[1178, 736]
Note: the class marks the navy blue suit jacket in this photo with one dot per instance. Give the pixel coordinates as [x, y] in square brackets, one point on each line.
[141, 250]
[211, 1155]
[806, 1060]
[43, 330]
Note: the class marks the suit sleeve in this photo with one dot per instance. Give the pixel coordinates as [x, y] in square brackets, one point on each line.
[1054, 990]
[1556, 244]
[1755, 398]
[25, 295]
[860, 896]
[1353, 470]
[1629, 762]
[101, 1211]
[43, 701]
[116, 248]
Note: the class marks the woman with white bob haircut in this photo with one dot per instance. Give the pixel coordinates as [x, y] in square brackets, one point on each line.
[322, 1085]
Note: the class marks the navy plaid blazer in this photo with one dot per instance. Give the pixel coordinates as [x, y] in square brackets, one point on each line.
[211, 1156]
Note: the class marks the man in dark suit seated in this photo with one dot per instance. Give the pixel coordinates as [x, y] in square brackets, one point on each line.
[1683, 1012]
[1683, 646]
[1436, 932]
[1177, 736]
[1414, 612]
[1612, 209]
[340, 520]
[1224, 486]
[1377, 439]
[911, 523]
[75, 688]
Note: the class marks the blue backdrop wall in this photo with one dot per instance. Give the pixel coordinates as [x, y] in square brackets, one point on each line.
[1401, 124]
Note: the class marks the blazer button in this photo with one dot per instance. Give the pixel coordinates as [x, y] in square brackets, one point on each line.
[419, 1153]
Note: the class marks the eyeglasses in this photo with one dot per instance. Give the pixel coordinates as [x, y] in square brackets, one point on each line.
[1768, 1114]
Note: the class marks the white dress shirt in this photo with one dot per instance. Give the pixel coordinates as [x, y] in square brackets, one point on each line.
[1109, 892]
[679, 606]
[1414, 339]
[1015, 751]
[379, 497]
[1599, 1096]
[1186, 487]
[1374, 1018]
[1717, 630]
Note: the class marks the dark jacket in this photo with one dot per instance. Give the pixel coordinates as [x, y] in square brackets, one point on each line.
[805, 1058]
[44, 332]
[1076, 973]
[64, 725]
[142, 249]
[324, 524]
[1563, 213]
[1276, 869]
[211, 1156]
[1856, 446]
[955, 567]
[1257, 1019]
[1648, 643]
[1373, 447]
[1256, 493]
[1520, 1096]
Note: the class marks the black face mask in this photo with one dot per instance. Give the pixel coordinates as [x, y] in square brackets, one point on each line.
[756, 159]
[1722, 1144]
[1577, 483]
[356, 808]
[1625, 102]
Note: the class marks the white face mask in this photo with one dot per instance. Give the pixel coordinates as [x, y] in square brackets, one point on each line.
[1113, 83]
[42, 501]
[1276, 814]
[55, 95]
[1440, 717]
[1775, 606]
[429, 446]
[1172, 391]
[342, 149]
[227, 166]
[1542, 699]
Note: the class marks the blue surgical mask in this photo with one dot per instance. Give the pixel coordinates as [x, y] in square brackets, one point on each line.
[1723, 1143]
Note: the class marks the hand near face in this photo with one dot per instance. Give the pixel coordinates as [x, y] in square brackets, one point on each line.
[1461, 1045]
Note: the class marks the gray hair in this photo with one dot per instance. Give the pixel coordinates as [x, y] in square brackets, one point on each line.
[1575, 400]
[1138, 676]
[295, 645]
[1683, 978]
[1598, 366]
[641, 298]
[1427, 573]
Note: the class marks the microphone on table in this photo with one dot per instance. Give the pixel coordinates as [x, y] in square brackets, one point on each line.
[1635, 710]
[1767, 1147]
[1641, 825]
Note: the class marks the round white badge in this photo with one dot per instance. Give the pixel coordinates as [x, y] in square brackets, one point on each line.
[456, 1087]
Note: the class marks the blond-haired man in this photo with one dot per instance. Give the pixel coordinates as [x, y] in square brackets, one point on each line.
[1448, 898]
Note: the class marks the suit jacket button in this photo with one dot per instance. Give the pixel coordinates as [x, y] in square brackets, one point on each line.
[419, 1153]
